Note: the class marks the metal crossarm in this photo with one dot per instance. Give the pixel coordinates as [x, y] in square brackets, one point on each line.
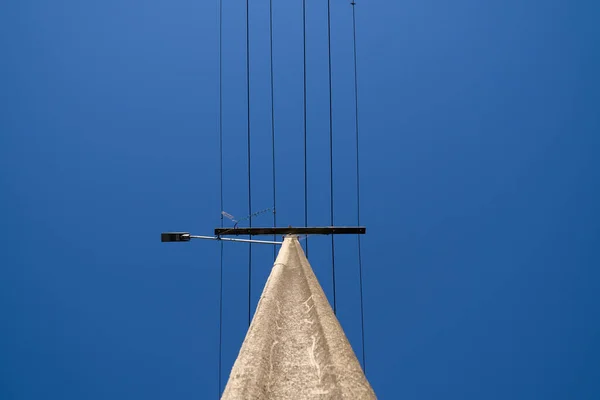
[322, 230]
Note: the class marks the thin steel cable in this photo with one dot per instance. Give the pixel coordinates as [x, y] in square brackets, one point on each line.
[362, 316]
[272, 122]
[331, 147]
[305, 147]
[220, 315]
[220, 187]
[249, 175]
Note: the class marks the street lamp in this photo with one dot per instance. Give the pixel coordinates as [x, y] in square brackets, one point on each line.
[185, 237]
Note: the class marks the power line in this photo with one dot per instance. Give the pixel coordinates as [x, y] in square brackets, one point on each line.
[331, 147]
[220, 315]
[305, 147]
[249, 175]
[272, 121]
[362, 317]
[220, 186]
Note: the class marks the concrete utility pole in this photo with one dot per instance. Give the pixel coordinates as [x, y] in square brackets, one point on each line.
[295, 347]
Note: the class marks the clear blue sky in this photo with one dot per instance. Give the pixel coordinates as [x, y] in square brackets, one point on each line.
[480, 141]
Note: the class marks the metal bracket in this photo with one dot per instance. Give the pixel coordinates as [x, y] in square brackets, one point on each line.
[185, 237]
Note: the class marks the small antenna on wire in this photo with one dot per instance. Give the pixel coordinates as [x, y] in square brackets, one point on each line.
[236, 221]
[229, 216]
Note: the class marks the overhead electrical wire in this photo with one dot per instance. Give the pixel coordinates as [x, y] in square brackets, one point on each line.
[220, 187]
[272, 121]
[362, 315]
[304, 119]
[331, 148]
[249, 154]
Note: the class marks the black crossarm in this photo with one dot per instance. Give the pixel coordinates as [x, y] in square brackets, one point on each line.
[320, 230]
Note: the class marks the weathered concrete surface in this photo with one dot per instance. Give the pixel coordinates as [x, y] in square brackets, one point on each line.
[295, 347]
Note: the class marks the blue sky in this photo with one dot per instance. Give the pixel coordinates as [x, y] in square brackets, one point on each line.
[479, 165]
